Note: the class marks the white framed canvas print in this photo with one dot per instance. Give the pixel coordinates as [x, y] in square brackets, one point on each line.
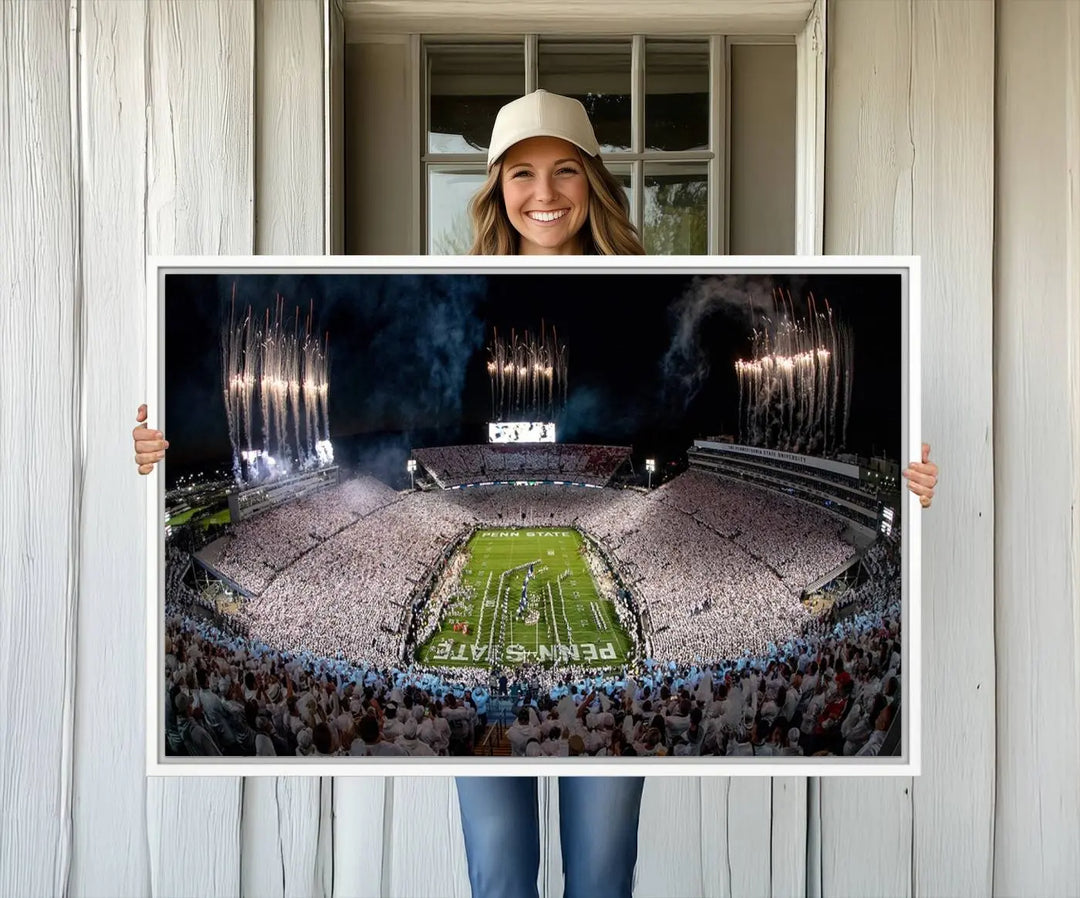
[509, 516]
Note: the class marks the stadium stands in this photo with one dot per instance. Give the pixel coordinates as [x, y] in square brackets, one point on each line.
[831, 690]
[335, 572]
[716, 566]
[459, 465]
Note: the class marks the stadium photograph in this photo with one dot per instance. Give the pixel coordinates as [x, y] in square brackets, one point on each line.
[506, 515]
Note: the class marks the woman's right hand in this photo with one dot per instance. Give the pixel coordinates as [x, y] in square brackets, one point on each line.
[150, 445]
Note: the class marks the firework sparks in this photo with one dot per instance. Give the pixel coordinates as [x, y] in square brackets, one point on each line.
[285, 376]
[528, 376]
[795, 391]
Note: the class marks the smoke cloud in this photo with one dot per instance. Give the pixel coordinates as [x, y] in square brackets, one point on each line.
[686, 364]
[418, 335]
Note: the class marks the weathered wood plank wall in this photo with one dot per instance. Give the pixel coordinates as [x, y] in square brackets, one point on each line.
[1037, 450]
[41, 445]
[909, 170]
[110, 854]
[200, 199]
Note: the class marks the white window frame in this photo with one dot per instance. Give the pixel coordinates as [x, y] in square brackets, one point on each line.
[745, 21]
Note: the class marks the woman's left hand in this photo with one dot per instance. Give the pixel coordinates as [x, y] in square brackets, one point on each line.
[922, 477]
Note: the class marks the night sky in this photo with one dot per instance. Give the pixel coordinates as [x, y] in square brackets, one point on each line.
[408, 356]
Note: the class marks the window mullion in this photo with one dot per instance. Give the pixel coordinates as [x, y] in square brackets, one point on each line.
[532, 62]
[421, 242]
[637, 131]
[718, 166]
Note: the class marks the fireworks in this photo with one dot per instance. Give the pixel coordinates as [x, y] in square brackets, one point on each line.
[528, 376]
[795, 393]
[284, 375]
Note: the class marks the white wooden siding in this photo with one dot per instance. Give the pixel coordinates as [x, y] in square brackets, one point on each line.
[200, 191]
[952, 132]
[110, 854]
[40, 310]
[1036, 450]
[909, 169]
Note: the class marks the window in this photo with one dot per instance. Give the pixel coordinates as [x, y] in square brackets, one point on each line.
[660, 108]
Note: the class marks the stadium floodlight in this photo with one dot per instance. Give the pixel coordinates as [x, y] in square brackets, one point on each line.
[650, 466]
[410, 466]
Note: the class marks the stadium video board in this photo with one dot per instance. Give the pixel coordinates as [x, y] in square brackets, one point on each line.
[666, 555]
[521, 432]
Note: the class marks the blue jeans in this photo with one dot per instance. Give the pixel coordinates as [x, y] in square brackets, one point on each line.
[598, 824]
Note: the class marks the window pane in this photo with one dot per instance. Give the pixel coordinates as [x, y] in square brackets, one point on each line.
[449, 192]
[676, 95]
[623, 176]
[468, 86]
[676, 209]
[597, 74]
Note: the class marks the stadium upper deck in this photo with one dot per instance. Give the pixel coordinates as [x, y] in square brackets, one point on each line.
[451, 466]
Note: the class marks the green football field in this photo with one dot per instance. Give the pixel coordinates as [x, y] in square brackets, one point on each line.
[566, 621]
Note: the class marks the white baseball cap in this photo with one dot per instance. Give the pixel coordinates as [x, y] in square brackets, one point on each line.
[541, 114]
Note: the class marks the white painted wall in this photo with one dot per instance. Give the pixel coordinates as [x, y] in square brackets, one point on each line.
[132, 128]
[909, 169]
[379, 173]
[1037, 450]
[761, 215]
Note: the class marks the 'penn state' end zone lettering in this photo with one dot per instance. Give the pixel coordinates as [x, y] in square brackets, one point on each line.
[534, 534]
[518, 654]
[586, 651]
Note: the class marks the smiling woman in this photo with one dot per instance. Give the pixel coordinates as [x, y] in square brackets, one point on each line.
[547, 190]
[546, 195]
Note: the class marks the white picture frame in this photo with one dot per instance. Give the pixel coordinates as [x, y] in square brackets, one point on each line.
[907, 763]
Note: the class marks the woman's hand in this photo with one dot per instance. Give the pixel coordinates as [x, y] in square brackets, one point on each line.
[150, 445]
[922, 477]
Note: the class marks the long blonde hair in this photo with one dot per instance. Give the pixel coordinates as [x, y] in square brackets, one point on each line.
[607, 230]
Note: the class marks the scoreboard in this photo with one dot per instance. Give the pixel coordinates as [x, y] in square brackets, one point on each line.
[521, 432]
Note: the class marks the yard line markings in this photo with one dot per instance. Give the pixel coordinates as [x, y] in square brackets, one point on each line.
[554, 620]
[480, 624]
[495, 616]
[562, 601]
[550, 570]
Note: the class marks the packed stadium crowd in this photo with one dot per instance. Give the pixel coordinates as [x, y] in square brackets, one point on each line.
[872, 596]
[799, 543]
[311, 665]
[831, 691]
[351, 591]
[336, 575]
[456, 465]
[272, 542]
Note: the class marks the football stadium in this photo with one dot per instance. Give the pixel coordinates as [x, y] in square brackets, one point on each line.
[526, 596]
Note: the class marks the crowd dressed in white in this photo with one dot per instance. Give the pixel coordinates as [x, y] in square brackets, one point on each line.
[334, 576]
[456, 465]
[832, 691]
[719, 565]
